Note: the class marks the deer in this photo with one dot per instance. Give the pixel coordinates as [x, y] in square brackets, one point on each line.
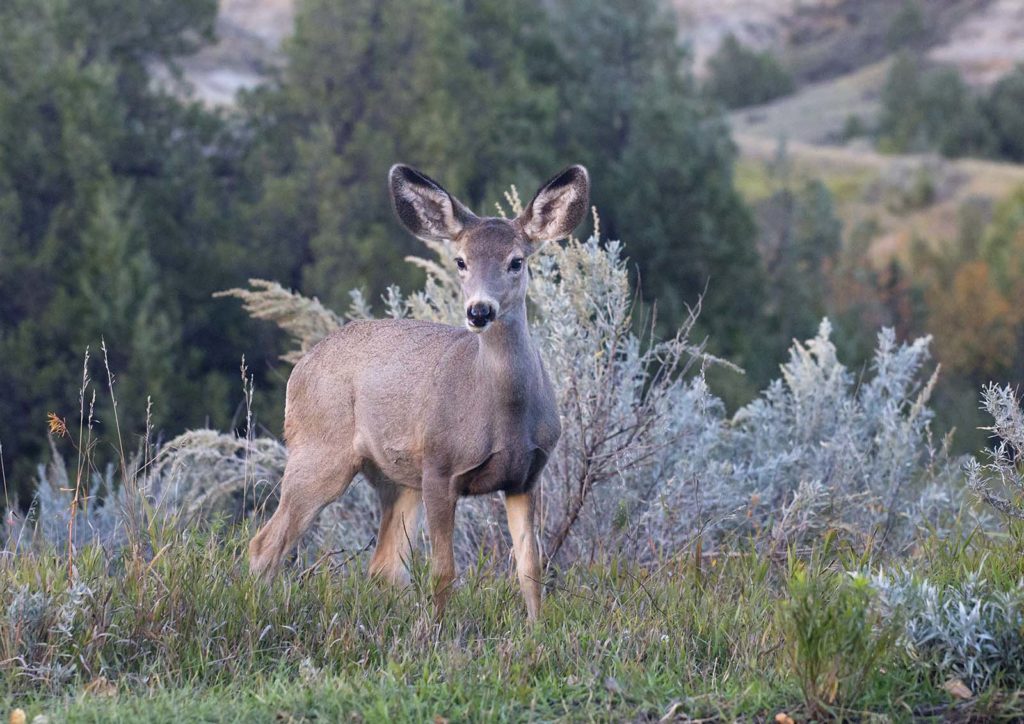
[430, 412]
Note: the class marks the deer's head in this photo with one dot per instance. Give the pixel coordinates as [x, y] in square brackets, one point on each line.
[490, 252]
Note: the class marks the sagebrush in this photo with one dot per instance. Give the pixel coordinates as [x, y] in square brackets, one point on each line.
[651, 469]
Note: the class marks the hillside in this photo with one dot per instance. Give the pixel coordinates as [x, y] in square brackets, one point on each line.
[867, 186]
[983, 45]
[249, 37]
[836, 46]
[986, 44]
[821, 38]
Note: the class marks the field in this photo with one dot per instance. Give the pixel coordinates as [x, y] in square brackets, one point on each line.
[186, 635]
[816, 555]
[789, 484]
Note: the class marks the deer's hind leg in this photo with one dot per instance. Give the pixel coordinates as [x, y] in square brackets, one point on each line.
[314, 476]
[399, 513]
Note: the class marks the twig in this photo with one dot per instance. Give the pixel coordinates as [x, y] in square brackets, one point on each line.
[328, 554]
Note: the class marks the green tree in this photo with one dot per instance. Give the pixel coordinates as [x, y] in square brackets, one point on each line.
[119, 300]
[932, 109]
[800, 239]
[444, 86]
[740, 77]
[483, 94]
[662, 162]
[901, 124]
[907, 27]
[115, 203]
[1005, 110]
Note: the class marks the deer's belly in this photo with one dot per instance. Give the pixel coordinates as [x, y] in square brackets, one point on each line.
[509, 471]
[397, 459]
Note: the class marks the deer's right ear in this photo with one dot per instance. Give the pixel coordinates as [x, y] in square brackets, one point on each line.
[424, 207]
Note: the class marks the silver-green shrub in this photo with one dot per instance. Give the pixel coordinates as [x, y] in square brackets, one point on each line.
[194, 478]
[648, 459]
[825, 448]
[969, 630]
[1000, 481]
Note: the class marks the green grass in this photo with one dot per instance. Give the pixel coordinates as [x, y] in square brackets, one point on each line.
[188, 636]
[847, 185]
[753, 180]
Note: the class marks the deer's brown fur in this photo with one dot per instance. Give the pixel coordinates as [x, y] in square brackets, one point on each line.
[431, 412]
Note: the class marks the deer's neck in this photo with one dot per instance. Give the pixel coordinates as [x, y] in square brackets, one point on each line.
[507, 361]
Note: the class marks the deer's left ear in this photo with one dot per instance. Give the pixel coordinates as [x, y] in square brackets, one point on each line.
[558, 207]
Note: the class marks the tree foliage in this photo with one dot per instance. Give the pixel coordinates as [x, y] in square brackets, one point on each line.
[799, 241]
[740, 77]
[112, 198]
[125, 206]
[928, 108]
[662, 161]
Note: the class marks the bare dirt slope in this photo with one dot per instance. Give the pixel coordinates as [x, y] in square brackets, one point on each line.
[987, 44]
[250, 33]
[824, 38]
[820, 39]
[760, 24]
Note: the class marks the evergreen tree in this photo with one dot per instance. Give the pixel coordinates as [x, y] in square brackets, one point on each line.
[1005, 110]
[445, 86]
[114, 199]
[361, 90]
[661, 158]
[740, 77]
[800, 239]
[119, 301]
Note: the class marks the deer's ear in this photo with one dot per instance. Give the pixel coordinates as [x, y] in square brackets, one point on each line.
[558, 207]
[424, 207]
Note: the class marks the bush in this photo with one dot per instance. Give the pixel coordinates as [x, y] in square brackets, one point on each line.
[648, 462]
[853, 127]
[632, 405]
[1001, 476]
[836, 636]
[740, 77]
[968, 629]
[907, 27]
[827, 449]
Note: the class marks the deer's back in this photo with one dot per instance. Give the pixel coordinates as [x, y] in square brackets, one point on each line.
[387, 362]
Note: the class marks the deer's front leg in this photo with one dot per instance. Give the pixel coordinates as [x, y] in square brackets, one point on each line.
[440, 508]
[519, 509]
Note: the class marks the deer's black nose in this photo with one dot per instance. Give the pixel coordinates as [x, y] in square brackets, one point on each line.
[480, 314]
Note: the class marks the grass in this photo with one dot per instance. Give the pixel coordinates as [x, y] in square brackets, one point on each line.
[856, 179]
[186, 635]
[848, 184]
[171, 627]
[614, 639]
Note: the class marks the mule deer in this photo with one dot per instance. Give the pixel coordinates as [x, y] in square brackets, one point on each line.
[431, 412]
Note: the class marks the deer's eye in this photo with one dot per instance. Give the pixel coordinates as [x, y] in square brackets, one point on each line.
[460, 263]
[515, 265]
